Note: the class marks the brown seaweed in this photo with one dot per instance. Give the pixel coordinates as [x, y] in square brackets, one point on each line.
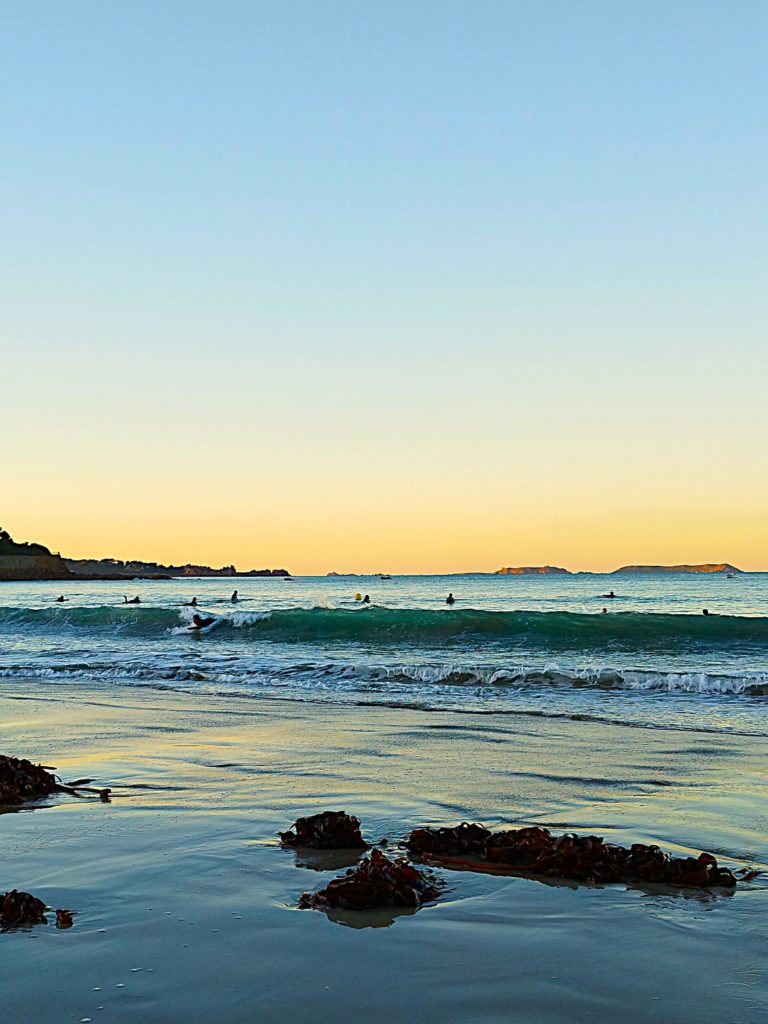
[376, 882]
[22, 781]
[64, 919]
[20, 909]
[329, 830]
[535, 851]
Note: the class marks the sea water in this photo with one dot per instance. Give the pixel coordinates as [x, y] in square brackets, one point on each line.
[520, 645]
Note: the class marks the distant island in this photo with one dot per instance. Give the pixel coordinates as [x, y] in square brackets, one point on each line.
[553, 570]
[23, 561]
[533, 570]
[706, 567]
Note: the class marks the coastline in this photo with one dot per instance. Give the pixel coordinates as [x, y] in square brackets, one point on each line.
[202, 785]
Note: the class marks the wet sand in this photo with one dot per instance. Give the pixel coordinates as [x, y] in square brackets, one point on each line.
[186, 903]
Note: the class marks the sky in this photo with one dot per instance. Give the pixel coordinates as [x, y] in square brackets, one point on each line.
[404, 287]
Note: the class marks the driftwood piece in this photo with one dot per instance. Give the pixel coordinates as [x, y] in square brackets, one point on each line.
[535, 851]
[329, 830]
[376, 882]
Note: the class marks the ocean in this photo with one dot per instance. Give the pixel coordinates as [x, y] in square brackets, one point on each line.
[517, 645]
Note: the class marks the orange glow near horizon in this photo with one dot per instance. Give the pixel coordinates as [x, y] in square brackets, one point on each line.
[423, 544]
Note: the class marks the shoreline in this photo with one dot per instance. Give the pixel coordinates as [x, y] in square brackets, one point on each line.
[202, 785]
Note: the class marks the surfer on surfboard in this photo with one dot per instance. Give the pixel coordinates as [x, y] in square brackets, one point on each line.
[200, 622]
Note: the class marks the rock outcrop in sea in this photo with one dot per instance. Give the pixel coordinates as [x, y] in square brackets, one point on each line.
[532, 570]
[706, 567]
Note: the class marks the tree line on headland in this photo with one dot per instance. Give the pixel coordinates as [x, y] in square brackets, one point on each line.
[19, 561]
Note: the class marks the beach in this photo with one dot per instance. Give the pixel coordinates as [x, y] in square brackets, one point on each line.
[185, 902]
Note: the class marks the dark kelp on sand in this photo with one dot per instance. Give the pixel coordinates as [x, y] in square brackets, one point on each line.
[329, 830]
[535, 851]
[377, 881]
[22, 910]
[22, 781]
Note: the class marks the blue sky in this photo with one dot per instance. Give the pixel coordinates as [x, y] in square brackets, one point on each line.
[390, 256]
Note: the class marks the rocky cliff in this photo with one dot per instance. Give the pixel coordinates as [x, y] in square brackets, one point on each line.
[29, 561]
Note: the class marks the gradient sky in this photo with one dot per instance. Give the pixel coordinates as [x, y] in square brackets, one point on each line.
[423, 286]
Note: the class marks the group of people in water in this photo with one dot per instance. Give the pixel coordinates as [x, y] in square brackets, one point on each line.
[367, 599]
[200, 622]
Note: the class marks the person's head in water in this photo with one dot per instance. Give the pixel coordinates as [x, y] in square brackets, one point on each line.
[366, 599]
[604, 611]
[705, 611]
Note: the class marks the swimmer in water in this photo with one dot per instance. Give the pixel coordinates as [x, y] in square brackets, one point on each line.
[705, 611]
[604, 611]
[234, 598]
[198, 622]
[134, 600]
[450, 599]
[366, 599]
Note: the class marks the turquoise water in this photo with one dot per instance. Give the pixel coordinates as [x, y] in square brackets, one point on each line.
[522, 645]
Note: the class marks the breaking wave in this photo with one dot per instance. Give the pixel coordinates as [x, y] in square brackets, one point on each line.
[623, 631]
[324, 675]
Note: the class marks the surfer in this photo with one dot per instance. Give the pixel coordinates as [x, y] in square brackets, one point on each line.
[191, 604]
[366, 599]
[60, 599]
[198, 622]
[450, 599]
[234, 598]
[133, 600]
[609, 595]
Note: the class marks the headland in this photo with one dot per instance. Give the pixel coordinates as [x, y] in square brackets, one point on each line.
[31, 561]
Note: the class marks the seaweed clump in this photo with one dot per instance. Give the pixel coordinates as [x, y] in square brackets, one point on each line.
[19, 909]
[535, 851]
[21, 781]
[329, 830]
[22, 909]
[376, 882]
